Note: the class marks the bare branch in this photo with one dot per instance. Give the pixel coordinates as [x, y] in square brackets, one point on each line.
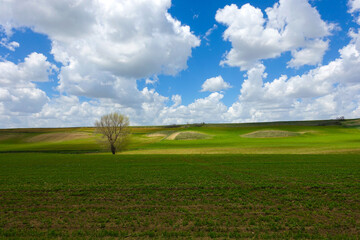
[114, 127]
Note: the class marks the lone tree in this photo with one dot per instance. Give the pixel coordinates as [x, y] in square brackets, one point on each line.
[115, 130]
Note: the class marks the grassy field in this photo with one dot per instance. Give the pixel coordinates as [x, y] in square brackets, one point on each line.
[313, 137]
[191, 181]
[188, 196]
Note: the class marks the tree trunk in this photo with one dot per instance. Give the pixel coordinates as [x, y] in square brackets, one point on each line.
[113, 149]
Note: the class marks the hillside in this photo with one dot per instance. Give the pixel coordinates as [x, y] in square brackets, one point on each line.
[200, 181]
[300, 137]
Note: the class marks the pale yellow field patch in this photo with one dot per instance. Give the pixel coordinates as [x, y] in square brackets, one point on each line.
[173, 136]
[187, 135]
[156, 135]
[271, 134]
[58, 137]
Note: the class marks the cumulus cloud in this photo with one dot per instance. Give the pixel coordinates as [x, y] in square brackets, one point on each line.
[291, 25]
[111, 45]
[64, 111]
[354, 5]
[355, 8]
[208, 109]
[215, 84]
[70, 111]
[327, 91]
[35, 68]
[310, 55]
[152, 81]
[105, 46]
[176, 99]
[252, 85]
[18, 92]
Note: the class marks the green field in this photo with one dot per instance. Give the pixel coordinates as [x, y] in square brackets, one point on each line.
[271, 180]
[312, 137]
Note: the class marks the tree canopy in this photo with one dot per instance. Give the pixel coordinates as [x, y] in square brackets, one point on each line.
[115, 130]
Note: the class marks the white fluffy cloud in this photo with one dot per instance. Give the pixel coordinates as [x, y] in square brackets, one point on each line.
[176, 99]
[61, 111]
[208, 109]
[292, 25]
[312, 54]
[105, 46]
[354, 5]
[327, 91]
[18, 92]
[35, 68]
[324, 92]
[69, 109]
[355, 8]
[215, 84]
[66, 111]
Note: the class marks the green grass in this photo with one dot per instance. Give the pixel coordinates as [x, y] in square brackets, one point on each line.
[310, 139]
[306, 138]
[185, 196]
[55, 184]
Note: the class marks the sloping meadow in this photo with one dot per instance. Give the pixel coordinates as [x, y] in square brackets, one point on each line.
[309, 137]
[184, 181]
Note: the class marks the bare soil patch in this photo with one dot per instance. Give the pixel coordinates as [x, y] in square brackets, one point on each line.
[271, 134]
[58, 137]
[173, 136]
[164, 133]
[4, 137]
[156, 135]
[188, 135]
[352, 123]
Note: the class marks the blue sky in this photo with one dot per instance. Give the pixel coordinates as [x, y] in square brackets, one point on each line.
[164, 62]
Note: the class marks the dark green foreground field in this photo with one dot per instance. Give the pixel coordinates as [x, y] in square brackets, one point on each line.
[191, 181]
[187, 196]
